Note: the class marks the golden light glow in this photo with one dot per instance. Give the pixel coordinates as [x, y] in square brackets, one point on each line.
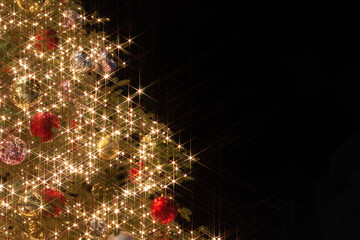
[144, 161]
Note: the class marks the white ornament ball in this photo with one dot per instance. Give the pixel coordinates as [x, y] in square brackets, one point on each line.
[123, 235]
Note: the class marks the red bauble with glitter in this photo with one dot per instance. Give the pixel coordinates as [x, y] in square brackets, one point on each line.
[55, 202]
[47, 40]
[163, 210]
[44, 125]
[134, 173]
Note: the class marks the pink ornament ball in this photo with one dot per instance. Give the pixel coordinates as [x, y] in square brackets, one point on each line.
[12, 150]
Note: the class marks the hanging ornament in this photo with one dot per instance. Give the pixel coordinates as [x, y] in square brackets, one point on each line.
[108, 148]
[163, 210]
[29, 205]
[44, 125]
[107, 64]
[55, 202]
[97, 227]
[12, 150]
[25, 92]
[70, 18]
[135, 172]
[81, 61]
[123, 235]
[33, 5]
[47, 40]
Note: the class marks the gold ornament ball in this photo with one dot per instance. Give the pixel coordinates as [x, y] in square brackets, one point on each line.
[108, 148]
[25, 93]
[29, 205]
[32, 5]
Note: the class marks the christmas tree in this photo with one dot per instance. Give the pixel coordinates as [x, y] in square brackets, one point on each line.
[80, 158]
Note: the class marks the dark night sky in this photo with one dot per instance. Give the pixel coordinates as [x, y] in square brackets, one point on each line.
[266, 99]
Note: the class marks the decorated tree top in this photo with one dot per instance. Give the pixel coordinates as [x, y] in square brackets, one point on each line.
[79, 159]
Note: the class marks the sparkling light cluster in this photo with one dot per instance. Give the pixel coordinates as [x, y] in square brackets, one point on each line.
[104, 136]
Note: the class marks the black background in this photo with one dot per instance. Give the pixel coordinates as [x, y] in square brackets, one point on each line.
[266, 97]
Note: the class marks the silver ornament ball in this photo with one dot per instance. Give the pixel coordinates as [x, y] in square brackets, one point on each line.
[107, 64]
[81, 61]
[70, 18]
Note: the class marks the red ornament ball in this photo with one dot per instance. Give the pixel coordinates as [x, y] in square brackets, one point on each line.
[47, 40]
[163, 210]
[44, 125]
[74, 124]
[55, 202]
[134, 173]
